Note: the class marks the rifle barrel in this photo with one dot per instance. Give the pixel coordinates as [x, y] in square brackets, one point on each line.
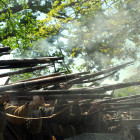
[123, 98]
[4, 53]
[4, 49]
[75, 81]
[36, 83]
[23, 70]
[50, 75]
[53, 92]
[93, 80]
[58, 79]
[72, 96]
[29, 61]
[130, 123]
[123, 104]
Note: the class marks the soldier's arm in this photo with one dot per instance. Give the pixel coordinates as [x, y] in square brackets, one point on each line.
[22, 111]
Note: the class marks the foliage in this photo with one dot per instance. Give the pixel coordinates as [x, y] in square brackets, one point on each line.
[129, 90]
[29, 75]
[106, 34]
[95, 32]
[125, 92]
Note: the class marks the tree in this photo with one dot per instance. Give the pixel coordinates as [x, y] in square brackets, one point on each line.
[108, 33]
[129, 90]
[95, 31]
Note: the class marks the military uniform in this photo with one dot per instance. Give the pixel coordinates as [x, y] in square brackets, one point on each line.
[2, 121]
[21, 128]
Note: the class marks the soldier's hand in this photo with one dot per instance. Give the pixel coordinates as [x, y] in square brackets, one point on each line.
[96, 106]
[37, 101]
[65, 86]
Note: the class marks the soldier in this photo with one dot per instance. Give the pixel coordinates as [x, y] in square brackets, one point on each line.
[19, 127]
[3, 99]
[93, 121]
[63, 124]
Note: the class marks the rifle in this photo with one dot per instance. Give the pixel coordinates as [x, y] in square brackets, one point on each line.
[97, 74]
[38, 83]
[4, 53]
[124, 104]
[30, 62]
[24, 70]
[4, 49]
[122, 98]
[58, 79]
[82, 78]
[70, 97]
[130, 123]
[50, 75]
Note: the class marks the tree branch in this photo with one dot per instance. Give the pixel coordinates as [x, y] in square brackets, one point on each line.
[18, 8]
